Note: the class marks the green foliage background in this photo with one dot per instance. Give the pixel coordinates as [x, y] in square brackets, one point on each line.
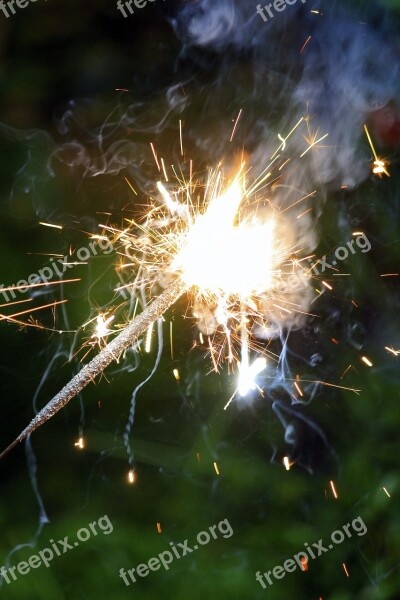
[49, 54]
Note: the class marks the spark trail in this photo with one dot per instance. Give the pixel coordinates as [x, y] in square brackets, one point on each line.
[110, 353]
[234, 257]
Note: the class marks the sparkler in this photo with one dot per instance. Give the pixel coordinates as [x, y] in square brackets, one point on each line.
[97, 365]
[214, 255]
[199, 264]
[379, 166]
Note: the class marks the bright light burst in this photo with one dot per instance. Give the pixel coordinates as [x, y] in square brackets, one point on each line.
[379, 165]
[233, 249]
[220, 258]
[102, 324]
[248, 374]
[229, 250]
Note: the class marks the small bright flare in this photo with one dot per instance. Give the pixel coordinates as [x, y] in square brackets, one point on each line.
[379, 165]
[379, 168]
[298, 388]
[50, 225]
[334, 490]
[102, 324]
[80, 443]
[287, 463]
[304, 564]
[248, 375]
[131, 476]
[367, 361]
[172, 205]
[392, 351]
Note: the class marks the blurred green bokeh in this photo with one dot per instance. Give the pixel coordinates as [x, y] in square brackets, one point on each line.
[51, 55]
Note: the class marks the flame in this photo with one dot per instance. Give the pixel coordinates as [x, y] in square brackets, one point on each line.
[229, 259]
[233, 252]
[222, 258]
[102, 323]
[248, 374]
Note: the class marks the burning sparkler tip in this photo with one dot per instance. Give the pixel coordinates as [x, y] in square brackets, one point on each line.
[80, 443]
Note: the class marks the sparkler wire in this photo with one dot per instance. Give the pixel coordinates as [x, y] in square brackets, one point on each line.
[111, 352]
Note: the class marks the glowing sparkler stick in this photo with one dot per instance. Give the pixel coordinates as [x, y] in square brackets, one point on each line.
[110, 353]
[215, 257]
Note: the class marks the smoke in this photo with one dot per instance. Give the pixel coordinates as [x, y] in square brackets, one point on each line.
[316, 60]
[347, 69]
[331, 68]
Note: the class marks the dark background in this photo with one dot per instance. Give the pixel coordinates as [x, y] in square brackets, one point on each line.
[64, 57]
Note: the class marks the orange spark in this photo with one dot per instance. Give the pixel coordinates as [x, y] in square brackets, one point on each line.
[305, 44]
[392, 351]
[155, 156]
[367, 361]
[236, 123]
[10, 317]
[131, 186]
[379, 164]
[287, 463]
[334, 490]
[298, 388]
[50, 225]
[34, 285]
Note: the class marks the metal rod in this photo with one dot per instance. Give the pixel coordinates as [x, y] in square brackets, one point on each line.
[111, 352]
